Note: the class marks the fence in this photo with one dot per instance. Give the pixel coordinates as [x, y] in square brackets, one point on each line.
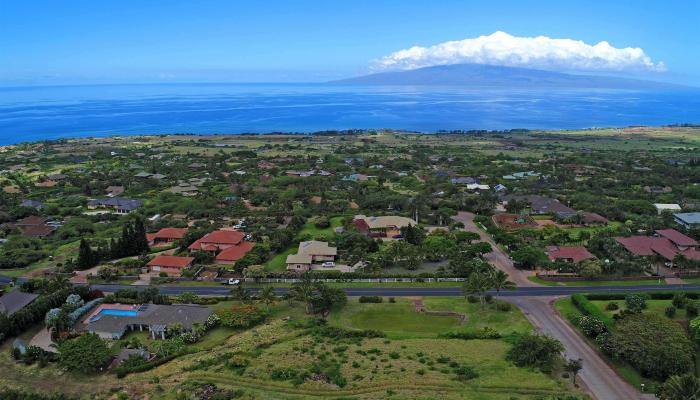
[348, 280]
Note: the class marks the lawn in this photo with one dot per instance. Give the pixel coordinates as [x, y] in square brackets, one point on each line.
[636, 282]
[400, 320]
[310, 229]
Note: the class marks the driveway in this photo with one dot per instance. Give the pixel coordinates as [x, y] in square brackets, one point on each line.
[597, 377]
[497, 257]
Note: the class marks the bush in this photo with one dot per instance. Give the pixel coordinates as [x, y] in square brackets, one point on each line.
[485, 333]
[612, 306]
[591, 326]
[465, 373]
[242, 316]
[692, 308]
[636, 302]
[537, 351]
[392, 300]
[670, 311]
[371, 299]
[654, 345]
[503, 306]
[84, 354]
[582, 303]
[679, 300]
[472, 299]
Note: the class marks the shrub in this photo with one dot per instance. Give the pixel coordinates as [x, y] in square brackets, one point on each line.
[465, 373]
[485, 333]
[635, 302]
[392, 300]
[612, 306]
[538, 351]
[84, 354]
[670, 311]
[591, 326]
[692, 308]
[679, 300]
[242, 316]
[582, 303]
[655, 346]
[371, 299]
[503, 306]
[472, 299]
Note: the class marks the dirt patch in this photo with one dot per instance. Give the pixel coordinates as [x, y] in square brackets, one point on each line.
[420, 308]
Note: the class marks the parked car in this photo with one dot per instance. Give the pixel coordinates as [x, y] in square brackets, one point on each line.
[232, 281]
[328, 264]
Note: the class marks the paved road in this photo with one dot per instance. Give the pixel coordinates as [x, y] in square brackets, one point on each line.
[544, 291]
[497, 257]
[600, 380]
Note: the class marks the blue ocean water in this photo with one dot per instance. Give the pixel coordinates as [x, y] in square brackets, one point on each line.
[36, 113]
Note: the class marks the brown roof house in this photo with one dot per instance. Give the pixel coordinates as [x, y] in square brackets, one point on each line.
[667, 244]
[571, 254]
[166, 236]
[228, 245]
[386, 226]
[310, 254]
[34, 226]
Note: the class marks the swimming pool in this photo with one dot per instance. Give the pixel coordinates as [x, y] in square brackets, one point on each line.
[121, 313]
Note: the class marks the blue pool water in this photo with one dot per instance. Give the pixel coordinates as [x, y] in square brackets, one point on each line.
[37, 113]
[121, 313]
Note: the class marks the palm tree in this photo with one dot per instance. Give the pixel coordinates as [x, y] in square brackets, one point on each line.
[499, 281]
[477, 284]
[240, 294]
[683, 387]
[267, 296]
[303, 291]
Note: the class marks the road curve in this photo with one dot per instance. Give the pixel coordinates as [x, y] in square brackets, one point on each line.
[600, 380]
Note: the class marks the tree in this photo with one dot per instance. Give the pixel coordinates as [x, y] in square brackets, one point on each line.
[86, 257]
[528, 257]
[680, 387]
[477, 284]
[241, 294]
[538, 351]
[256, 272]
[84, 354]
[590, 269]
[187, 298]
[303, 291]
[499, 281]
[412, 234]
[573, 366]
[267, 296]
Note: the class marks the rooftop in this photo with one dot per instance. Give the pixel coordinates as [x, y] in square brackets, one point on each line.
[15, 301]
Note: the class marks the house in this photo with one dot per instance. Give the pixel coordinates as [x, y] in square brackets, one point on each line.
[37, 205]
[688, 220]
[661, 207]
[15, 301]
[521, 175]
[171, 265]
[667, 244]
[147, 175]
[112, 321]
[356, 178]
[570, 254]
[591, 218]
[119, 204]
[114, 191]
[57, 177]
[310, 253]
[543, 205]
[166, 236]
[34, 226]
[228, 245]
[463, 180]
[476, 187]
[499, 187]
[184, 189]
[385, 226]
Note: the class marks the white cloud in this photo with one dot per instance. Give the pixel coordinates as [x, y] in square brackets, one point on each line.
[542, 52]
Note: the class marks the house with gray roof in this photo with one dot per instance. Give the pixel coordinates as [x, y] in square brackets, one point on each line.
[119, 204]
[112, 324]
[37, 205]
[15, 301]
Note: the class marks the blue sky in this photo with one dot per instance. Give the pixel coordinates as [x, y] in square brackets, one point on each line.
[63, 42]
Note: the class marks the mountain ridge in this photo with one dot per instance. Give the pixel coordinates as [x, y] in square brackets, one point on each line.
[484, 75]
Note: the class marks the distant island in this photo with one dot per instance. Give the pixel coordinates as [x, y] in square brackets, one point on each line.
[480, 75]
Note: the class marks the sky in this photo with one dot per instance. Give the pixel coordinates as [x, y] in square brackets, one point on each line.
[44, 42]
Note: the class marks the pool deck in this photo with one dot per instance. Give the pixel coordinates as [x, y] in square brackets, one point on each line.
[117, 306]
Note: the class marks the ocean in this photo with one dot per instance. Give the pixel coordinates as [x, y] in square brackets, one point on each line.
[38, 113]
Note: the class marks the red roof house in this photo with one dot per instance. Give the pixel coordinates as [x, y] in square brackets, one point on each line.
[228, 244]
[171, 265]
[677, 238]
[573, 254]
[166, 235]
[668, 244]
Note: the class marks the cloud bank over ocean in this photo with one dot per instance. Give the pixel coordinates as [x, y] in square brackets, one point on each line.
[540, 52]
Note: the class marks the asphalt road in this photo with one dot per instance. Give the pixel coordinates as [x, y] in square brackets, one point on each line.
[600, 380]
[544, 291]
[498, 258]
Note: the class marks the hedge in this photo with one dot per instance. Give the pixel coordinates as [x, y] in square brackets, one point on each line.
[665, 295]
[582, 303]
[121, 372]
[371, 299]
